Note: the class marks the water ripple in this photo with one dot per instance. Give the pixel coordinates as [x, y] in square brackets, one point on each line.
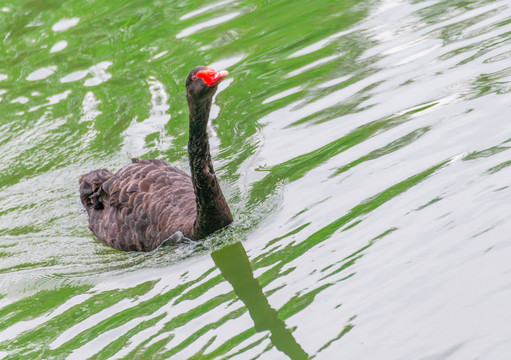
[363, 147]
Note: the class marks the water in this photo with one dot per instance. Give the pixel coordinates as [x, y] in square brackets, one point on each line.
[363, 148]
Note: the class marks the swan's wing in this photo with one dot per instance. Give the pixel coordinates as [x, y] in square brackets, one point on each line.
[129, 186]
[91, 187]
[141, 205]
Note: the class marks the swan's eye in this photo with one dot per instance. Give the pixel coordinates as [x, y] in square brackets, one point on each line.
[194, 78]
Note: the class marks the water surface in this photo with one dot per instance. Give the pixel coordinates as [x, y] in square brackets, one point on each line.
[363, 147]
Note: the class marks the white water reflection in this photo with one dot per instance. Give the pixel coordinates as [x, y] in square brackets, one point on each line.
[159, 55]
[42, 73]
[20, 100]
[314, 64]
[59, 46]
[52, 100]
[205, 9]
[206, 24]
[283, 94]
[74, 76]
[135, 135]
[99, 74]
[65, 24]
[226, 63]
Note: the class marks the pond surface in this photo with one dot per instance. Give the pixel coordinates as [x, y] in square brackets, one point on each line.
[363, 146]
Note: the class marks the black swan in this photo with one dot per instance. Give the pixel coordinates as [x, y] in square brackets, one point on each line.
[148, 201]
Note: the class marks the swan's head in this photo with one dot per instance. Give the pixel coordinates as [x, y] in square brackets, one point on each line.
[202, 82]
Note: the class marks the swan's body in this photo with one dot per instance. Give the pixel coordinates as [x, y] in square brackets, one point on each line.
[146, 202]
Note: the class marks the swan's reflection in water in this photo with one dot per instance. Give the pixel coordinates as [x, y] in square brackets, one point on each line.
[233, 262]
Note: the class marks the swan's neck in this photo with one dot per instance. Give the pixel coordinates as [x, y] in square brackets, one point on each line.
[212, 210]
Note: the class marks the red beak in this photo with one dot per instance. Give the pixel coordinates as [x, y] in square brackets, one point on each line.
[212, 77]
